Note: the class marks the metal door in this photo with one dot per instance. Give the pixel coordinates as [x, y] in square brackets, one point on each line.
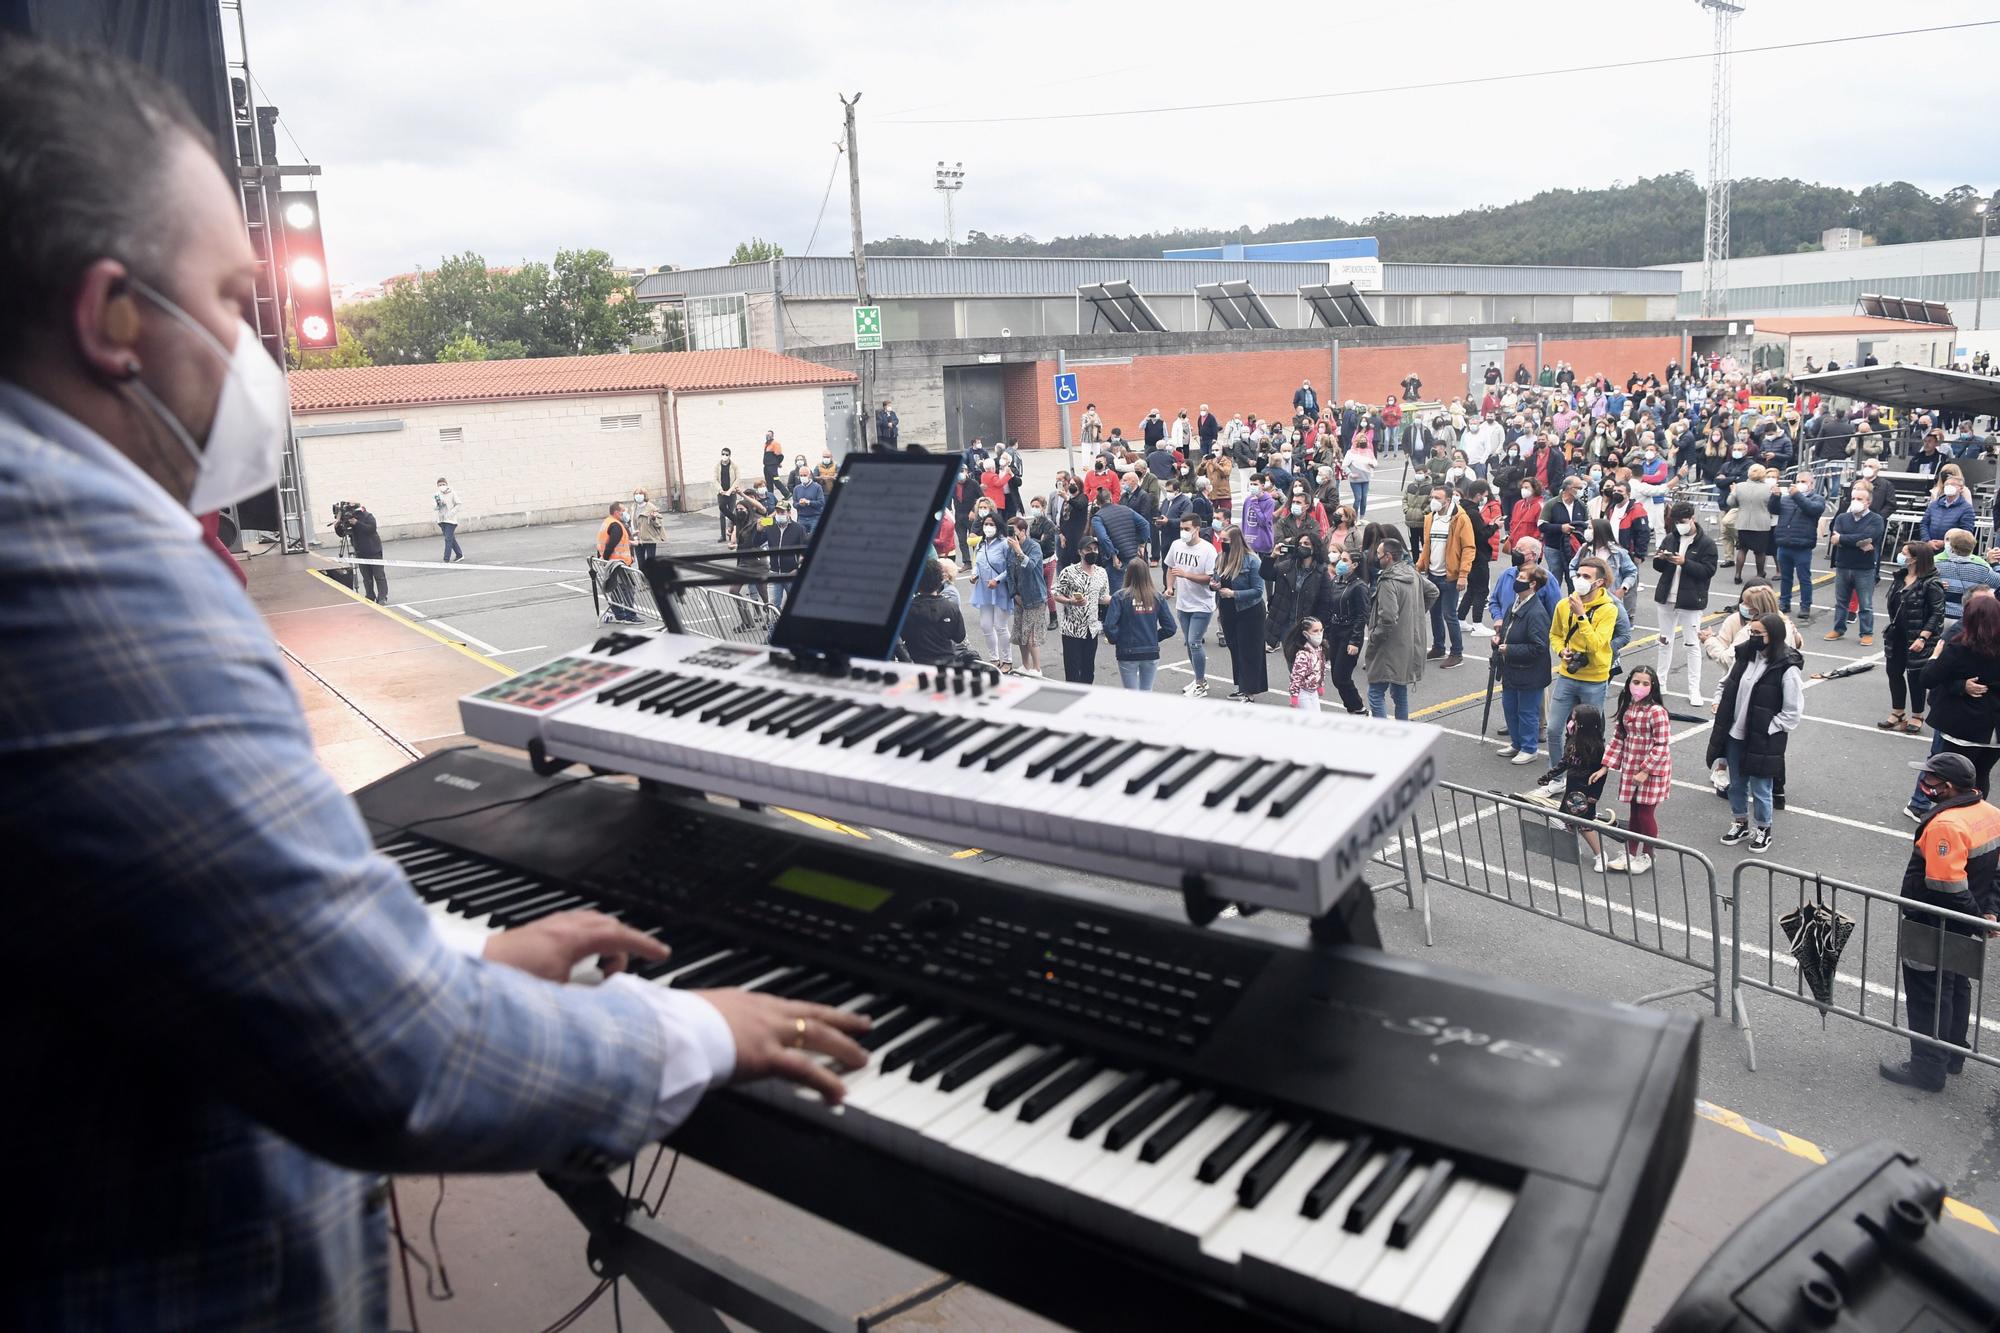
[1479, 353]
[840, 421]
[972, 405]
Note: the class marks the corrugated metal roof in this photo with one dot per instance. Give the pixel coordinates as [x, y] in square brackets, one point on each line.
[1527, 279]
[552, 377]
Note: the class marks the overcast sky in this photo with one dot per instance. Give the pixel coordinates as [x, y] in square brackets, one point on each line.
[666, 132]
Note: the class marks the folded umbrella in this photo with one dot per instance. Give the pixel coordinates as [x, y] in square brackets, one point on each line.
[1817, 933]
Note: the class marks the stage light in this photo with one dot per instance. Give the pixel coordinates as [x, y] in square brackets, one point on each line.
[305, 265]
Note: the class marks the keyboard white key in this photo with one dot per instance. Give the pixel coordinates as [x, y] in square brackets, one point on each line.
[1430, 1303]
[1275, 1221]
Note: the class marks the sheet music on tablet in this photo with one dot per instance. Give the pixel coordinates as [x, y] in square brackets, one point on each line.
[853, 575]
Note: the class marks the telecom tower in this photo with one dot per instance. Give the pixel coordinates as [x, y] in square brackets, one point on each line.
[1715, 230]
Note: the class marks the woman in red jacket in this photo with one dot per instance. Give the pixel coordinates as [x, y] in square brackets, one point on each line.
[1524, 519]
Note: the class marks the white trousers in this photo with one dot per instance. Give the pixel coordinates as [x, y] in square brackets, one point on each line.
[1685, 624]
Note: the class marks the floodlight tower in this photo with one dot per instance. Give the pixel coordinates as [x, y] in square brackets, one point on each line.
[1715, 229]
[949, 180]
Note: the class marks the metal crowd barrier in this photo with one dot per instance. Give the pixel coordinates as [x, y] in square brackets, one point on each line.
[1865, 979]
[713, 613]
[1531, 856]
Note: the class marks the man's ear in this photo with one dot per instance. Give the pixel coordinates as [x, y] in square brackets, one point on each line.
[104, 320]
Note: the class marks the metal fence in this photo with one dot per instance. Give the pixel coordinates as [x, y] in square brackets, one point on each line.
[1532, 856]
[1866, 981]
[712, 613]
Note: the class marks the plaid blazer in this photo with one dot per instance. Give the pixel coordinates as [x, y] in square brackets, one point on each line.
[229, 1015]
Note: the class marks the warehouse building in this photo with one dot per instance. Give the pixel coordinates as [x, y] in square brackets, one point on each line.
[551, 439]
[1834, 281]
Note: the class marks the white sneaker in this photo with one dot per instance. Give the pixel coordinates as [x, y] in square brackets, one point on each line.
[1641, 864]
[1506, 752]
[1597, 864]
[1696, 701]
[1188, 688]
[1478, 630]
[1618, 865]
[1524, 757]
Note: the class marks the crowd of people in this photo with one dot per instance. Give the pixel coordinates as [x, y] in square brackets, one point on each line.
[1552, 514]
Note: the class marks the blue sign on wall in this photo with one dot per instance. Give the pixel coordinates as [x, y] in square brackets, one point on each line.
[1066, 388]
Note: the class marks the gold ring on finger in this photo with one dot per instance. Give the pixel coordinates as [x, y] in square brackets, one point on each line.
[799, 1036]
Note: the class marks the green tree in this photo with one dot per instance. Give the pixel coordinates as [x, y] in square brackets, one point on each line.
[464, 347]
[755, 249]
[586, 309]
[349, 351]
[573, 306]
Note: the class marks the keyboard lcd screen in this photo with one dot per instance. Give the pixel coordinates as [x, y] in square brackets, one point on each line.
[831, 888]
[854, 574]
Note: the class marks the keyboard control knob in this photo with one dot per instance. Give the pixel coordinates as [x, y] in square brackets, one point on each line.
[856, 673]
[934, 914]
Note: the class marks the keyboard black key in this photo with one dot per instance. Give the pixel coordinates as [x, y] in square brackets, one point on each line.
[1269, 1169]
[1254, 797]
[1375, 1194]
[788, 988]
[989, 745]
[1182, 1123]
[1291, 800]
[882, 1005]
[1005, 1092]
[946, 1053]
[816, 717]
[730, 713]
[698, 976]
[1421, 1205]
[744, 967]
[1173, 784]
[924, 735]
[490, 897]
[1134, 785]
[1241, 1140]
[889, 716]
[888, 1029]
[1015, 749]
[954, 737]
[916, 726]
[978, 1060]
[736, 694]
[661, 700]
[839, 730]
[1051, 1094]
[1063, 772]
[788, 706]
[700, 698]
[625, 689]
[1150, 1108]
[1095, 775]
[535, 911]
[1056, 754]
[1092, 1117]
[1338, 1176]
[834, 992]
[1217, 795]
[938, 1036]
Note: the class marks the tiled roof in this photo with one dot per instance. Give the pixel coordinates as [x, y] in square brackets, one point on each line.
[1843, 324]
[552, 377]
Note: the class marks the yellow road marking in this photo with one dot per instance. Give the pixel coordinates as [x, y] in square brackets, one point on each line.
[967, 854]
[401, 619]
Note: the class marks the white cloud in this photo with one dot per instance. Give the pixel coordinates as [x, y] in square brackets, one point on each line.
[668, 133]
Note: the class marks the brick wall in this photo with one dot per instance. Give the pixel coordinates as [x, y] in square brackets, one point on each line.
[1616, 357]
[1020, 410]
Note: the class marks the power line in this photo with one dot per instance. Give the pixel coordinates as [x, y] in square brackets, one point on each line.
[1443, 83]
[838, 149]
[283, 124]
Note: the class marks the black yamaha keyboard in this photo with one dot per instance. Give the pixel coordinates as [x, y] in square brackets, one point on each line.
[1107, 1116]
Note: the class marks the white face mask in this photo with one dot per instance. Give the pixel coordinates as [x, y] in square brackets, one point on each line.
[1584, 584]
[992, 531]
[1314, 637]
[1298, 509]
[1527, 493]
[252, 414]
[1437, 506]
[1687, 529]
[1950, 490]
[1856, 506]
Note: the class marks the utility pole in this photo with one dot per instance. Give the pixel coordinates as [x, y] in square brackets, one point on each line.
[866, 406]
[948, 181]
[1984, 209]
[1715, 228]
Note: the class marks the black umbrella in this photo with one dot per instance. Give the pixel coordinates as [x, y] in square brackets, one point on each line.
[1818, 933]
[1852, 669]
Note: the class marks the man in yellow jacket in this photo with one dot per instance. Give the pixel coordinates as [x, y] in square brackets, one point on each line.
[1580, 646]
[1445, 557]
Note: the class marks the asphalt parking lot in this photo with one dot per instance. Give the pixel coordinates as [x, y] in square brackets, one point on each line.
[523, 596]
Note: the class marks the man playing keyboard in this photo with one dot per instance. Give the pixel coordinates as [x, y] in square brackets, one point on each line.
[265, 1021]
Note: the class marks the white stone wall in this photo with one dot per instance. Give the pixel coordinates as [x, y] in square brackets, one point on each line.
[710, 422]
[1911, 347]
[537, 461]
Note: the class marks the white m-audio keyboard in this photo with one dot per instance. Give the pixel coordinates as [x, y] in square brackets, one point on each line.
[1274, 807]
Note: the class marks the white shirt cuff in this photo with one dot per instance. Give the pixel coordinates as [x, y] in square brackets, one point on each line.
[701, 1053]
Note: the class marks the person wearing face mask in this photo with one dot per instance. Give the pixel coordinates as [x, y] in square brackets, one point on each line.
[1750, 501]
[1342, 611]
[445, 501]
[1759, 707]
[1858, 534]
[1521, 657]
[277, 1022]
[1954, 855]
[727, 477]
[825, 472]
[1686, 563]
[1580, 643]
[647, 530]
[1948, 508]
[364, 537]
[992, 594]
[1080, 594]
[1239, 592]
[614, 548]
[1796, 512]
[786, 535]
[1445, 557]
[1398, 630]
[1640, 751]
[809, 501]
[1190, 567]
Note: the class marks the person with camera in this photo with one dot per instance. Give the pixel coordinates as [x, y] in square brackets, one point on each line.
[272, 1022]
[356, 526]
[1580, 637]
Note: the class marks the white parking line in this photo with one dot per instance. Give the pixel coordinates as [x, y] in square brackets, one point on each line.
[478, 643]
[508, 652]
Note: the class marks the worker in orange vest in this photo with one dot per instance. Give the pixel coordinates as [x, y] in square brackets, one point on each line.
[614, 547]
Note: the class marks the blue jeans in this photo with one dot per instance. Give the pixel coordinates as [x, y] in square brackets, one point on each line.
[1137, 672]
[1795, 562]
[1748, 795]
[1444, 615]
[1379, 694]
[1565, 693]
[1360, 489]
[1194, 627]
[1621, 633]
[1860, 583]
[451, 550]
[1523, 711]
